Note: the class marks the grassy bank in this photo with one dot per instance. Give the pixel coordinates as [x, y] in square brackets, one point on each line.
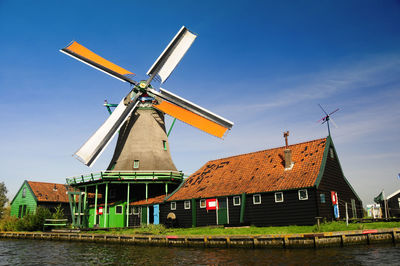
[252, 230]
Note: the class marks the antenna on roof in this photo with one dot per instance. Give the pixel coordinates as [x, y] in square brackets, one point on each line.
[327, 118]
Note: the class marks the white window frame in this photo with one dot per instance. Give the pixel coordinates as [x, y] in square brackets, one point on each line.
[236, 203]
[186, 204]
[331, 153]
[306, 198]
[135, 210]
[173, 205]
[322, 195]
[136, 164]
[399, 201]
[122, 209]
[203, 203]
[276, 198]
[254, 199]
[353, 208]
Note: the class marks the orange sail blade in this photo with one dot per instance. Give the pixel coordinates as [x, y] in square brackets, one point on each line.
[83, 54]
[192, 118]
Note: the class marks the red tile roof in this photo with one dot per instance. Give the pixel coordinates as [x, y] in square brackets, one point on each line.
[261, 171]
[49, 192]
[150, 201]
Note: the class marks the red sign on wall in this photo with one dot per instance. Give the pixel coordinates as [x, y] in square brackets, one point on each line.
[334, 197]
[211, 204]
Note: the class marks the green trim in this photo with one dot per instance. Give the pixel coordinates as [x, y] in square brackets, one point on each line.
[172, 125]
[323, 163]
[329, 143]
[176, 190]
[194, 216]
[242, 207]
[19, 190]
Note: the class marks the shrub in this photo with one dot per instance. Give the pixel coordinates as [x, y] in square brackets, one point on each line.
[58, 213]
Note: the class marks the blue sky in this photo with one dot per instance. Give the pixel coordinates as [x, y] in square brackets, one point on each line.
[264, 65]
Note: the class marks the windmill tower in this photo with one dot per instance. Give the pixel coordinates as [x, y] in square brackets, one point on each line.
[142, 143]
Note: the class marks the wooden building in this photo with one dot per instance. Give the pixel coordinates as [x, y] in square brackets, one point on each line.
[393, 205]
[34, 194]
[289, 185]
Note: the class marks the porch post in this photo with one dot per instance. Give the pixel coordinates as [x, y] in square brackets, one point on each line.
[105, 207]
[127, 206]
[147, 191]
[84, 220]
[166, 188]
[95, 207]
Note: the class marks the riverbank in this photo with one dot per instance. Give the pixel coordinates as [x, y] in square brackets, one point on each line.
[305, 240]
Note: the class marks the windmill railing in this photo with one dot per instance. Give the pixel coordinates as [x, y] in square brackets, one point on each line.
[126, 175]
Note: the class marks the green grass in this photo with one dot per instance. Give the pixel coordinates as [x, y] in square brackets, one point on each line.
[251, 230]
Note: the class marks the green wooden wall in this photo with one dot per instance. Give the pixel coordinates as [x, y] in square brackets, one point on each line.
[29, 200]
[113, 219]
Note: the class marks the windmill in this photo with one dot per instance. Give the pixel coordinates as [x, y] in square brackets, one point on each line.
[327, 118]
[139, 116]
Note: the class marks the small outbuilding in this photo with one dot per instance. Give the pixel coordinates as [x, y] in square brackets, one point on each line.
[393, 204]
[34, 194]
[291, 185]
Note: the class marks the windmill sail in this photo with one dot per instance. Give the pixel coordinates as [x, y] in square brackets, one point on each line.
[172, 55]
[95, 145]
[88, 57]
[192, 114]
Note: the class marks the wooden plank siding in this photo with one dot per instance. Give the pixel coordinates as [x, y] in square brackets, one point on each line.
[29, 200]
[291, 211]
[333, 180]
[183, 217]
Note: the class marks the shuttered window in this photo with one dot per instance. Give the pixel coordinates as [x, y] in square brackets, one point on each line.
[257, 199]
[236, 201]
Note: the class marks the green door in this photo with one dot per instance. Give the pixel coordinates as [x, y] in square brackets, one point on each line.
[144, 215]
[222, 212]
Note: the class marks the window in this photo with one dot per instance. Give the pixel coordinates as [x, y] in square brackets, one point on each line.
[279, 197]
[203, 203]
[19, 211]
[135, 164]
[353, 208]
[322, 197]
[236, 201]
[303, 195]
[118, 209]
[164, 144]
[135, 210]
[23, 210]
[257, 199]
[399, 201]
[173, 206]
[331, 153]
[187, 204]
[24, 192]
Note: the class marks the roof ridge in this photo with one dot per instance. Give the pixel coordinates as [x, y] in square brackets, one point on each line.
[45, 182]
[280, 147]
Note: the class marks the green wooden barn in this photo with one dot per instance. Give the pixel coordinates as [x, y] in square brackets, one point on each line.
[34, 194]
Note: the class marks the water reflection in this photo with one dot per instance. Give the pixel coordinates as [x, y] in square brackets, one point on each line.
[35, 252]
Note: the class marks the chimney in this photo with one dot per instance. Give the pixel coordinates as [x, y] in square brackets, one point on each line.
[288, 153]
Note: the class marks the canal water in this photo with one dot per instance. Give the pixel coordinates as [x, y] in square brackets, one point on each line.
[41, 252]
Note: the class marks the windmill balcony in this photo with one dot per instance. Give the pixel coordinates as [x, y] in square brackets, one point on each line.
[176, 176]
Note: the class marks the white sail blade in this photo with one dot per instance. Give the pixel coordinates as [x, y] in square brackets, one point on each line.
[172, 55]
[94, 146]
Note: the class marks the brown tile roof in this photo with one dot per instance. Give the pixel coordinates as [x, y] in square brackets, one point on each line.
[150, 201]
[49, 192]
[255, 172]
